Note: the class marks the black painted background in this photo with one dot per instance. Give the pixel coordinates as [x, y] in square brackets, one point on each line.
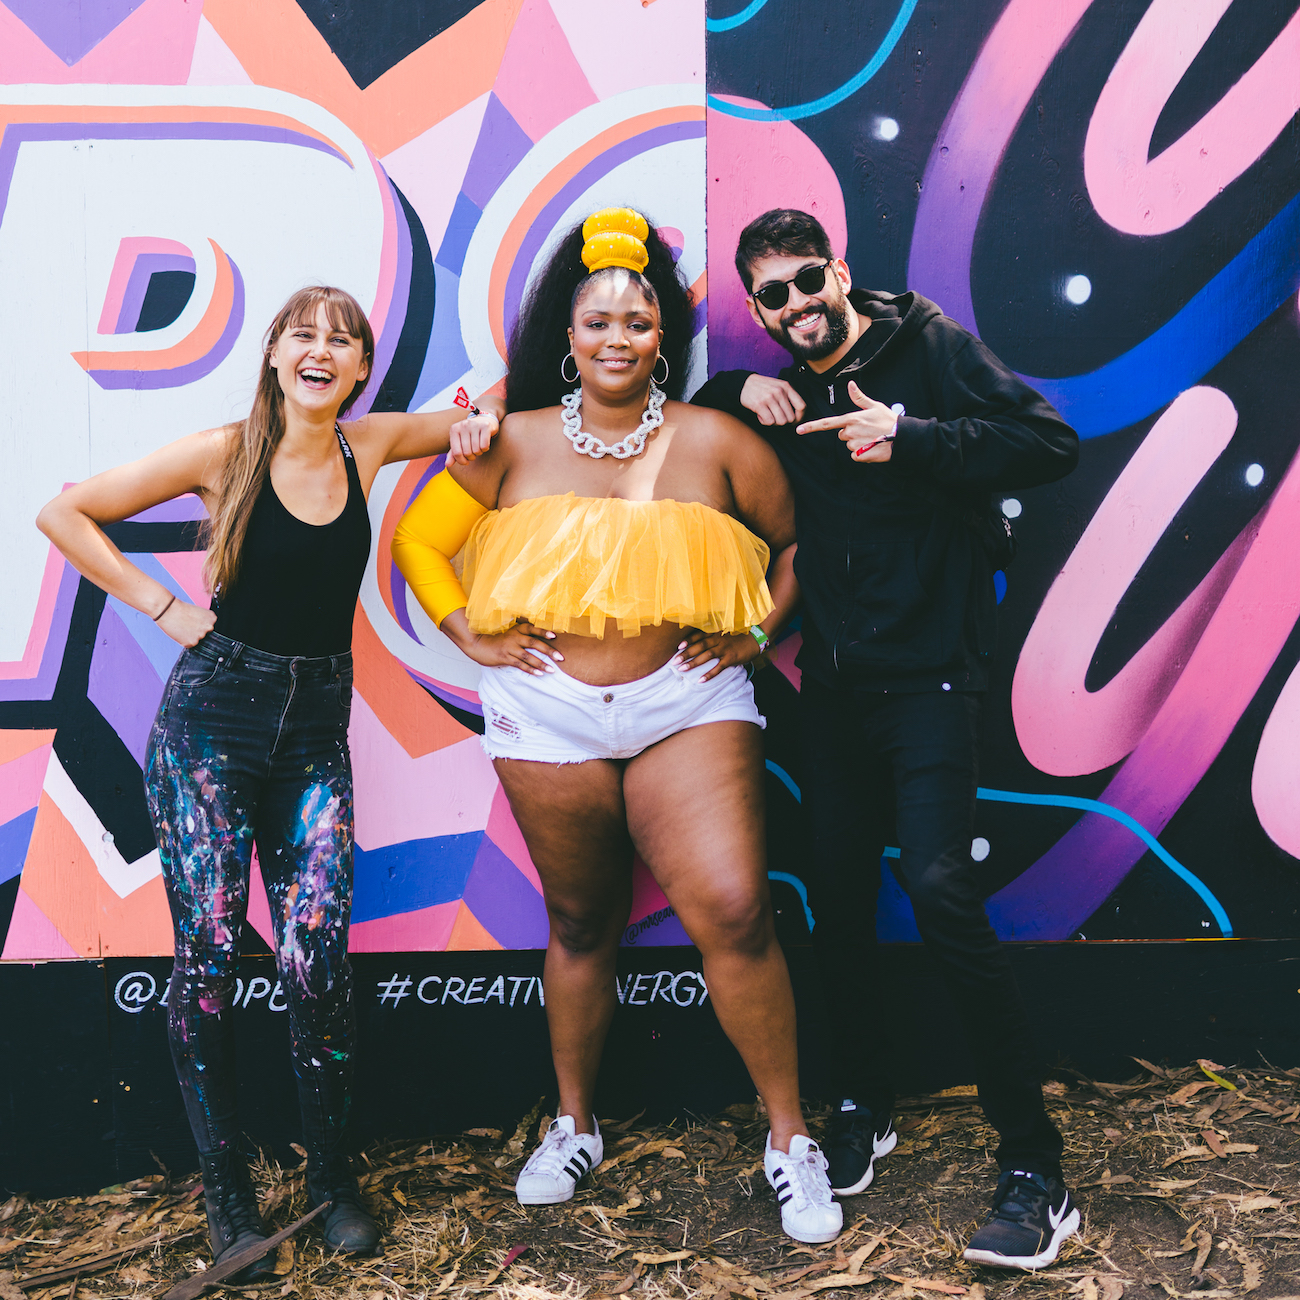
[1037, 226]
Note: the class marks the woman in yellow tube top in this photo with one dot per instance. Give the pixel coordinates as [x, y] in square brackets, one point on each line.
[615, 551]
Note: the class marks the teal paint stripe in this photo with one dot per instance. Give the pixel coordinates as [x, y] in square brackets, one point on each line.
[1193, 882]
[736, 20]
[850, 87]
[784, 777]
[799, 888]
[1188, 878]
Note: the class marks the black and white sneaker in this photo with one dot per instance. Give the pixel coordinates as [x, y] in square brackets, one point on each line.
[556, 1168]
[1031, 1217]
[856, 1141]
[798, 1177]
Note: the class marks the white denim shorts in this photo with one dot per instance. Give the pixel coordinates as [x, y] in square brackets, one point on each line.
[554, 718]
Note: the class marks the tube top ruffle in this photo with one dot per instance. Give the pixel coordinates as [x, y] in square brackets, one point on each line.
[569, 564]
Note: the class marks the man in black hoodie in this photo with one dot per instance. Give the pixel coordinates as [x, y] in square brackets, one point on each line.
[910, 427]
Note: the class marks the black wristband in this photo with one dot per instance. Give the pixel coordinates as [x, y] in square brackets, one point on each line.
[165, 608]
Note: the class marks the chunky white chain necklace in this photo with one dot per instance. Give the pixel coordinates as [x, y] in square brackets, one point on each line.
[587, 444]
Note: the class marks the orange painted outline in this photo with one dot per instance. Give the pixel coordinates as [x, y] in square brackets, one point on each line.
[395, 509]
[551, 184]
[469, 934]
[91, 113]
[278, 47]
[418, 723]
[61, 878]
[196, 344]
[18, 743]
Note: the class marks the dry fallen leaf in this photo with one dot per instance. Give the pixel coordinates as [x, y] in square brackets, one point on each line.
[1204, 1244]
[284, 1259]
[925, 1284]
[1249, 1204]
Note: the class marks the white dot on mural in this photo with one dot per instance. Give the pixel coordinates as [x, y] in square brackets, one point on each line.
[1078, 289]
[886, 129]
[979, 848]
[1012, 508]
[1254, 475]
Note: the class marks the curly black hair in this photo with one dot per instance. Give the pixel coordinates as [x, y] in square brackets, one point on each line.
[539, 341]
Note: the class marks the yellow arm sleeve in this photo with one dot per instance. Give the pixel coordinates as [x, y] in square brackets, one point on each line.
[433, 529]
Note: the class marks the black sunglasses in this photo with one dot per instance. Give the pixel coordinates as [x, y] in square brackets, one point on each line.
[811, 280]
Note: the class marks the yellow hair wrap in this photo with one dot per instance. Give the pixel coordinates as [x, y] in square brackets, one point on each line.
[433, 529]
[615, 237]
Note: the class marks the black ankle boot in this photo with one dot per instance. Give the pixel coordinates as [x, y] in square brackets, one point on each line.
[233, 1218]
[347, 1224]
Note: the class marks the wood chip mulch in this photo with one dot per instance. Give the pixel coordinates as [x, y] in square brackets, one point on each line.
[1186, 1179]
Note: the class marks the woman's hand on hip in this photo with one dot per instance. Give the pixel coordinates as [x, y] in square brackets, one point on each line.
[522, 646]
[187, 623]
[727, 648]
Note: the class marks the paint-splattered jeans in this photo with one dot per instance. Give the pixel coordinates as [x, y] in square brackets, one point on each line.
[252, 748]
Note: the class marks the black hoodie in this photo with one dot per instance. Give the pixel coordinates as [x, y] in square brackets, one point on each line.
[898, 591]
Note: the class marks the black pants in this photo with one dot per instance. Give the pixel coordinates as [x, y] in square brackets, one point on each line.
[247, 748]
[878, 765]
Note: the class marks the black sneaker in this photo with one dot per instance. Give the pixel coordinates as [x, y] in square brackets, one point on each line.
[856, 1140]
[1032, 1216]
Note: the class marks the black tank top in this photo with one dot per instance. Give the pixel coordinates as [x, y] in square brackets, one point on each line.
[298, 582]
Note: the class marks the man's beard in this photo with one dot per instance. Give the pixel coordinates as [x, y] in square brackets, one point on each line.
[836, 335]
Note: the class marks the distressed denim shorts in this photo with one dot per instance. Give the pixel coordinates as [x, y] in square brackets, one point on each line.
[554, 718]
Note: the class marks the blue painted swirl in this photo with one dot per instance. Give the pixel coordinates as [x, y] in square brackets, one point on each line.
[850, 87]
[1193, 882]
[736, 20]
[1191, 343]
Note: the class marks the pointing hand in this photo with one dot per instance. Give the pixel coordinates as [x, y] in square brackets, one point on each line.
[868, 431]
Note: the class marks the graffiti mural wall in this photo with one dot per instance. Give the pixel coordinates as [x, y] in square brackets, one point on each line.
[1108, 193]
[169, 172]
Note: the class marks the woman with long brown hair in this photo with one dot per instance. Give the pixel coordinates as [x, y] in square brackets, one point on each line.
[250, 745]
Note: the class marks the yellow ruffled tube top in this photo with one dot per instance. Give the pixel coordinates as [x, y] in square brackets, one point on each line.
[570, 564]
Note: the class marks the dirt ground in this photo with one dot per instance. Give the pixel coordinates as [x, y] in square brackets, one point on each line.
[1186, 1180]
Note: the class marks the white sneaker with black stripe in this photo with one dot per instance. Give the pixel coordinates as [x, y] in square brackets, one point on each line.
[808, 1210]
[559, 1164]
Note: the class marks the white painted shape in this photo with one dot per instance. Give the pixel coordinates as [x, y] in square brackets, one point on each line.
[1254, 475]
[429, 169]
[886, 129]
[214, 63]
[55, 265]
[643, 45]
[438, 657]
[1078, 289]
[123, 877]
[1012, 508]
[979, 848]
